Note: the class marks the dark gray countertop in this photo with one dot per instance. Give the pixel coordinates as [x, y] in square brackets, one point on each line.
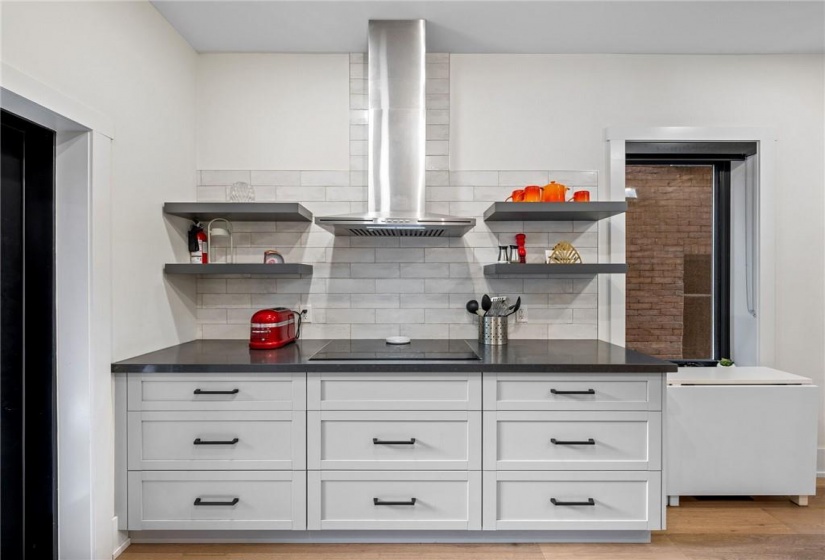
[529, 356]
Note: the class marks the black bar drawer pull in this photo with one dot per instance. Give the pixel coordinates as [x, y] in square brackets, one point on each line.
[202, 392]
[589, 441]
[589, 502]
[199, 502]
[376, 441]
[199, 441]
[379, 502]
[587, 392]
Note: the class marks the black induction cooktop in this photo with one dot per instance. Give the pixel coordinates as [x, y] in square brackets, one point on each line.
[379, 349]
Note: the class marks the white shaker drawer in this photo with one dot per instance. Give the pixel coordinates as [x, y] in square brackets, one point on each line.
[422, 500]
[403, 440]
[217, 500]
[217, 391]
[622, 501]
[217, 440]
[518, 440]
[559, 391]
[394, 391]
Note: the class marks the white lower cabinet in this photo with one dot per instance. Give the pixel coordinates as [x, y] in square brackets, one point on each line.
[620, 501]
[244, 440]
[529, 440]
[217, 391]
[378, 440]
[217, 500]
[573, 391]
[391, 451]
[394, 391]
[419, 500]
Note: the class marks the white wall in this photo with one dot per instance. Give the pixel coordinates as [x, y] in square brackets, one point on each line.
[535, 111]
[273, 111]
[124, 61]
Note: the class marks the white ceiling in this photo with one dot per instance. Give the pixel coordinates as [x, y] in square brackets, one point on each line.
[471, 26]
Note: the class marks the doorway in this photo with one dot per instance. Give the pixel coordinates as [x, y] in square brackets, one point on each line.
[680, 249]
[28, 427]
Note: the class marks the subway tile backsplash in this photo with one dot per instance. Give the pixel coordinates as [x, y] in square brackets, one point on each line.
[417, 287]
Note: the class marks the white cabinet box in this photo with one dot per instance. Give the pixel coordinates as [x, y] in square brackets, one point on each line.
[392, 451]
[620, 501]
[381, 440]
[566, 391]
[741, 431]
[244, 440]
[394, 391]
[217, 391]
[217, 500]
[418, 500]
[528, 440]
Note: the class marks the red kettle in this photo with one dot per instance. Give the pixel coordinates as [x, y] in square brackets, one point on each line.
[274, 328]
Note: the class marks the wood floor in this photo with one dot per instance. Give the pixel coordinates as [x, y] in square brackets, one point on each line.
[764, 528]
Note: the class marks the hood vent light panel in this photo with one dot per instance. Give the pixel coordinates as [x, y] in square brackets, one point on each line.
[398, 231]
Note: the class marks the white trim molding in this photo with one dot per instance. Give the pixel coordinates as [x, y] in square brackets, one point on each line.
[85, 469]
[48, 107]
[612, 287]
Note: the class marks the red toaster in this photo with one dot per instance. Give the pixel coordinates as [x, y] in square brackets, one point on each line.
[273, 328]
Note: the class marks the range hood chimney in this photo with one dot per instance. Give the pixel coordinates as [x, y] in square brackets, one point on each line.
[397, 133]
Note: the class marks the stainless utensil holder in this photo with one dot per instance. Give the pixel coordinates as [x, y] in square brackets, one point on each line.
[492, 330]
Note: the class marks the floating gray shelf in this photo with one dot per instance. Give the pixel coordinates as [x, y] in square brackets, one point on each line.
[552, 211]
[240, 211]
[288, 269]
[553, 269]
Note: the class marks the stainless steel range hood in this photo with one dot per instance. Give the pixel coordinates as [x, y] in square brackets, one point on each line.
[397, 133]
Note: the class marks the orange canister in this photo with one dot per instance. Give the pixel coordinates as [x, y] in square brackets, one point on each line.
[554, 192]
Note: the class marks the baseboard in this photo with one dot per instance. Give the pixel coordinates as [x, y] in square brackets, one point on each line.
[123, 546]
[329, 536]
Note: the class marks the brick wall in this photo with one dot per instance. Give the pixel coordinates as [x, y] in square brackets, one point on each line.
[669, 225]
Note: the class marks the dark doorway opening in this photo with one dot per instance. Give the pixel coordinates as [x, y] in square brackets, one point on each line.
[679, 248]
[28, 412]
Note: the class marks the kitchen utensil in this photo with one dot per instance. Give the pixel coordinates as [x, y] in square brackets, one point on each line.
[513, 254]
[499, 304]
[503, 254]
[554, 192]
[521, 239]
[486, 303]
[513, 308]
[472, 306]
[581, 196]
[516, 196]
[533, 193]
[273, 328]
[214, 230]
[492, 331]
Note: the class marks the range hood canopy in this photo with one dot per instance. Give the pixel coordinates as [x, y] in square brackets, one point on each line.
[397, 136]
